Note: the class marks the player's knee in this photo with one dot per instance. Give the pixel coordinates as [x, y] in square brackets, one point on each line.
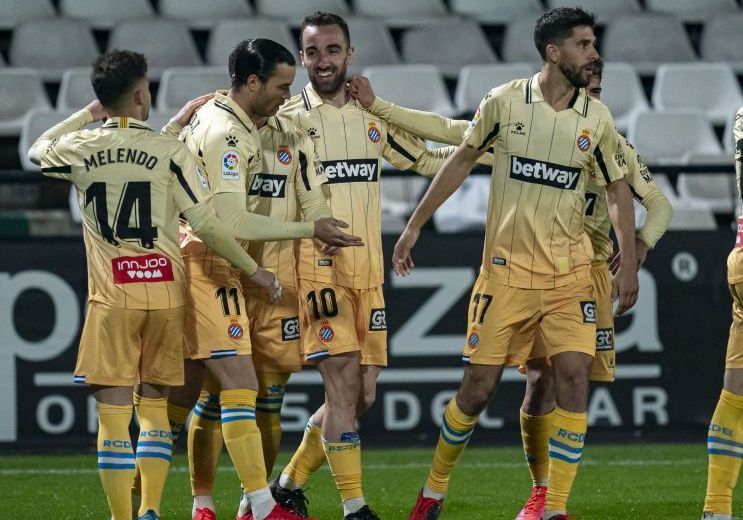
[366, 401]
[539, 397]
[473, 400]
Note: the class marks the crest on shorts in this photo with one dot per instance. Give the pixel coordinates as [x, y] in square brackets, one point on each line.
[284, 155]
[326, 333]
[584, 141]
[473, 340]
[374, 134]
[235, 330]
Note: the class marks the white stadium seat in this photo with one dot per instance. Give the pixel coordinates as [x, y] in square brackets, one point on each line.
[623, 93]
[52, 46]
[413, 86]
[294, 12]
[35, 123]
[476, 80]
[715, 191]
[165, 43]
[687, 215]
[21, 90]
[15, 12]
[466, 209]
[728, 139]
[227, 34]
[448, 45]
[722, 40]
[300, 80]
[372, 43]
[76, 90]
[692, 10]
[500, 12]
[604, 10]
[646, 41]
[670, 137]
[202, 15]
[518, 43]
[403, 14]
[710, 87]
[106, 13]
[181, 84]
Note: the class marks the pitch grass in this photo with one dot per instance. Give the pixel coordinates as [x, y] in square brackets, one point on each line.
[636, 481]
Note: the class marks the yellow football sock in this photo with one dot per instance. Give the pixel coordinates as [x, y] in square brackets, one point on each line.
[344, 458]
[725, 450]
[565, 452]
[116, 458]
[535, 434]
[271, 389]
[137, 482]
[204, 443]
[309, 456]
[242, 437]
[456, 430]
[154, 451]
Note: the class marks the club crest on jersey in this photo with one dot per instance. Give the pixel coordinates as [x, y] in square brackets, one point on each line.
[235, 331]
[584, 141]
[374, 134]
[284, 155]
[326, 333]
[473, 340]
[231, 165]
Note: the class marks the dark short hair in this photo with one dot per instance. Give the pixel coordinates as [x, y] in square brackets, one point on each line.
[320, 18]
[257, 56]
[597, 68]
[115, 73]
[556, 24]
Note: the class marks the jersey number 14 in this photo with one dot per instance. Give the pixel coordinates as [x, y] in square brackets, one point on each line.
[134, 199]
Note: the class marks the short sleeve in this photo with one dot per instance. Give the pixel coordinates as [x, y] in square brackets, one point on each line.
[485, 125]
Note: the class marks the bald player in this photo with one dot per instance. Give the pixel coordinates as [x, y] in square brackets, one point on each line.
[548, 140]
[539, 398]
[132, 183]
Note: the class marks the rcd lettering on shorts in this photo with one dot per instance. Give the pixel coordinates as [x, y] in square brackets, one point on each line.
[290, 329]
[589, 311]
[378, 320]
[544, 173]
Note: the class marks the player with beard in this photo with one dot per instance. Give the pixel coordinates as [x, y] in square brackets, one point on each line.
[548, 140]
[342, 310]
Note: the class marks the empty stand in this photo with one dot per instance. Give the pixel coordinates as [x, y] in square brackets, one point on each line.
[200, 14]
[227, 34]
[623, 93]
[76, 91]
[15, 12]
[21, 90]
[501, 12]
[106, 13]
[178, 85]
[414, 86]
[722, 40]
[476, 80]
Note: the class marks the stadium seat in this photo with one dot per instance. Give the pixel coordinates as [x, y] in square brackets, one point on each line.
[227, 34]
[518, 43]
[646, 41]
[104, 14]
[21, 90]
[203, 15]
[711, 87]
[466, 209]
[181, 84]
[728, 140]
[692, 10]
[36, 122]
[623, 93]
[166, 43]
[501, 12]
[476, 80]
[413, 86]
[52, 46]
[300, 80]
[288, 11]
[670, 137]
[403, 14]
[722, 40]
[76, 91]
[372, 43]
[158, 119]
[604, 10]
[15, 12]
[715, 191]
[463, 43]
[400, 195]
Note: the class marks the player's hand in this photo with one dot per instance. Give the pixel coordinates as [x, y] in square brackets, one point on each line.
[402, 262]
[329, 250]
[641, 250]
[624, 288]
[361, 90]
[96, 110]
[328, 230]
[269, 282]
[184, 115]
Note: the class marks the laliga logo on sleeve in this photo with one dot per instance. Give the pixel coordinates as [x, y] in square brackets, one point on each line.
[284, 155]
[374, 134]
[230, 165]
[583, 142]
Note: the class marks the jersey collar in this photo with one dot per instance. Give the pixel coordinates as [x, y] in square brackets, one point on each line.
[275, 123]
[226, 103]
[533, 94]
[126, 122]
[310, 98]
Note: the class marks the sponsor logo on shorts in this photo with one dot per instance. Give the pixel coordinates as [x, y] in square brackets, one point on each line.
[290, 329]
[499, 261]
[351, 170]
[473, 340]
[374, 134]
[235, 331]
[324, 262]
[326, 333]
[148, 268]
[544, 173]
[589, 311]
[378, 320]
[267, 185]
[284, 155]
[604, 339]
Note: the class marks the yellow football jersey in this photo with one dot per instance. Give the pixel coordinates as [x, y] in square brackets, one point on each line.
[350, 142]
[132, 183]
[735, 260]
[534, 236]
[289, 165]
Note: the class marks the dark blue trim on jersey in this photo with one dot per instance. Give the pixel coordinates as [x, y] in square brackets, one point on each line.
[602, 165]
[493, 133]
[182, 180]
[66, 169]
[399, 149]
[226, 108]
[303, 170]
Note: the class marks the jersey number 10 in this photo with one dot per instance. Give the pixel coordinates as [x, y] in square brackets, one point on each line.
[135, 196]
